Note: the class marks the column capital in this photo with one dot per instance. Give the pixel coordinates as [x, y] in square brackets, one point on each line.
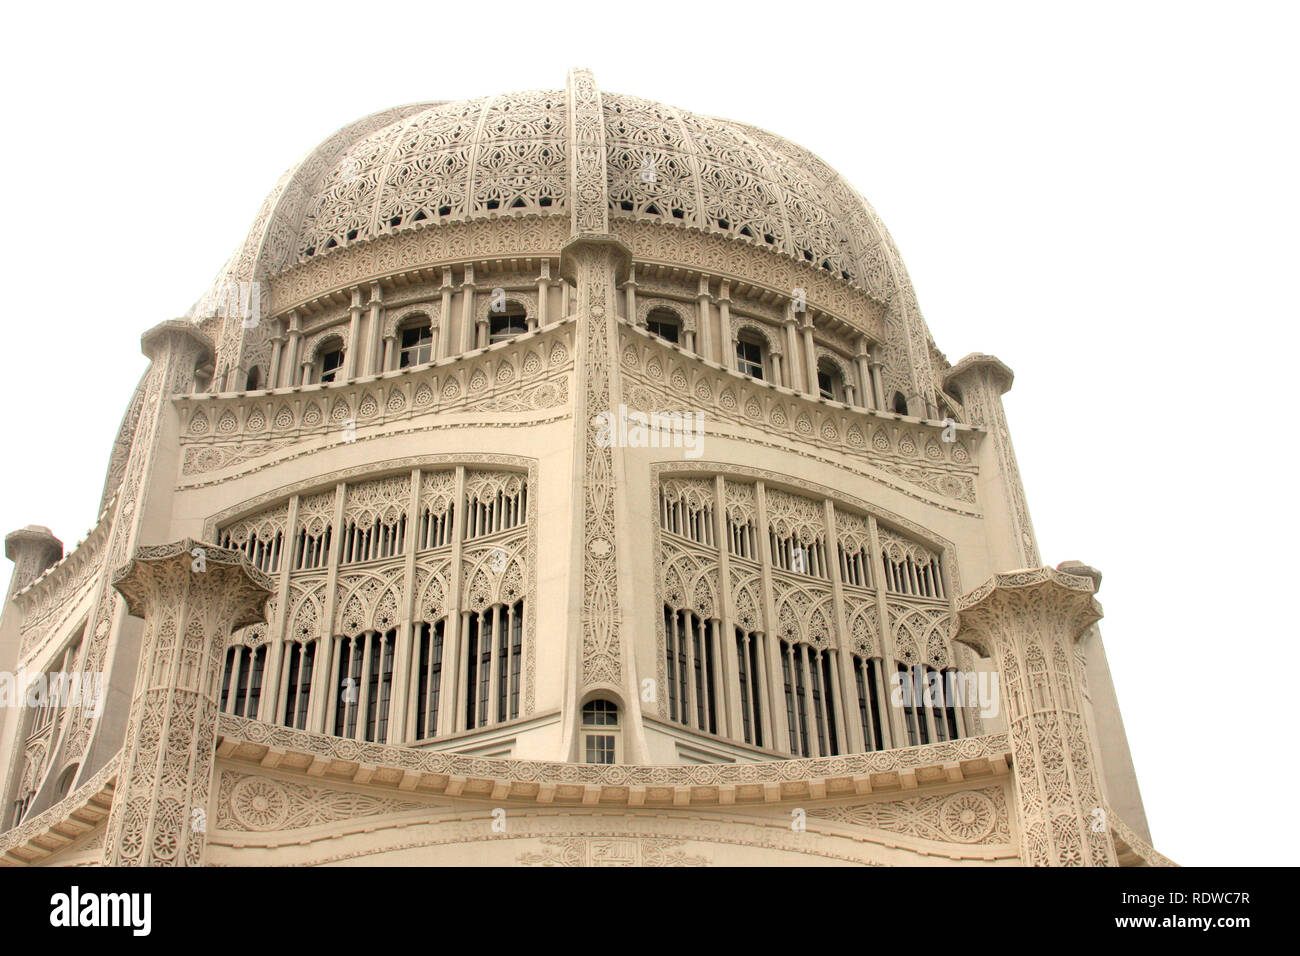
[33, 550]
[1035, 596]
[978, 362]
[191, 595]
[175, 332]
[1027, 621]
[155, 569]
[610, 244]
[34, 536]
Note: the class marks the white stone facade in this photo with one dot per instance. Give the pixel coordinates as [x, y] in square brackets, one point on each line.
[369, 583]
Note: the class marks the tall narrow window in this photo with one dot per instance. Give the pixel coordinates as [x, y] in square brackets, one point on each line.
[298, 670]
[665, 324]
[749, 357]
[241, 684]
[494, 645]
[331, 364]
[810, 706]
[830, 382]
[912, 683]
[600, 730]
[751, 692]
[691, 665]
[865, 675]
[363, 681]
[428, 679]
[417, 345]
[506, 325]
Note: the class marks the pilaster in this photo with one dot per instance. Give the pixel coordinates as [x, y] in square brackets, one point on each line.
[191, 596]
[1028, 622]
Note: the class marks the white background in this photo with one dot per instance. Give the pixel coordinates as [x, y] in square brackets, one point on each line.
[1104, 197]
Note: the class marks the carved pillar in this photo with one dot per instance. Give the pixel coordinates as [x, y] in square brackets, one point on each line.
[863, 357]
[544, 294]
[705, 322]
[1028, 622]
[877, 380]
[293, 358]
[277, 354]
[629, 289]
[191, 596]
[354, 365]
[793, 370]
[594, 261]
[981, 381]
[374, 359]
[724, 322]
[32, 549]
[175, 349]
[467, 326]
[810, 356]
[444, 315]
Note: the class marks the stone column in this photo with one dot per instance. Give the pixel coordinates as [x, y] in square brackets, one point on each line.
[32, 550]
[544, 294]
[629, 289]
[374, 353]
[353, 366]
[444, 315]
[191, 596]
[596, 263]
[981, 381]
[1028, 622]
[810, 356]
[468, 327]
[293, 357]
[794, 372]
[863, 357]
[277, 354]
[705, 321]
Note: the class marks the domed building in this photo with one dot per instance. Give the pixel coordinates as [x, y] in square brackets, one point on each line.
[560, 478]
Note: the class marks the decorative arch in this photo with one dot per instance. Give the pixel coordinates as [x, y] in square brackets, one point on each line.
[684, 314]
[312, 352]
[396, 319]
[744, 323]
[831, 357]
[525, 300]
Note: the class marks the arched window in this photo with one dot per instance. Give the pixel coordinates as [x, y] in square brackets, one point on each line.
[65, 781]
[417, 343]
[900, 404]
[506, 325]
[329, 361]
[665, 324]
[254, 379]
[830, 381]
[600, 730]
[751, 355]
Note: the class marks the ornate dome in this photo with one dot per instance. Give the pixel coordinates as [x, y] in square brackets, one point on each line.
[507, 155]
